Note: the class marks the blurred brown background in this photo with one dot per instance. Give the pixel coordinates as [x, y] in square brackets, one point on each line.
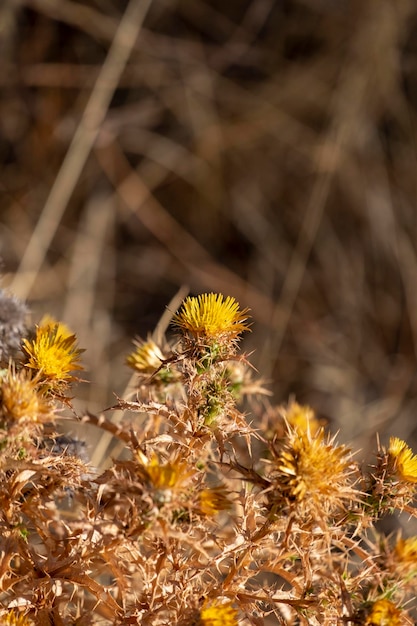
[263, 149]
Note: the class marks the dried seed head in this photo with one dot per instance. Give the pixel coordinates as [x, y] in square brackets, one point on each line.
[13, 329]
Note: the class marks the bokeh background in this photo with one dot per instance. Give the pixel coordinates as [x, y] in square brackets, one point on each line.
[265, 149]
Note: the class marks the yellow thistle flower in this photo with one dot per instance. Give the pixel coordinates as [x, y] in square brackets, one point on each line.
[52, 355]
[164, 478]
[146, 358]
[213, 500]
[168, 475]
[406, 557]
[20, 399]
[314, 469]
[405, 463]
[216, 614]
[13, 619]
[301, 418]
[210, 315]
[384, 613]
[406, 550]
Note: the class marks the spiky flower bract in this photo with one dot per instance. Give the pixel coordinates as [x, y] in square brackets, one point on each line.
[312, 470]
[52, 355]
[216, 614]
[384, 613]
[211, 315]
[404, 462]
[21, 400]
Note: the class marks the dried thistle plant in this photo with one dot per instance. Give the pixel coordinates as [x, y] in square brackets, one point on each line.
[204, 520]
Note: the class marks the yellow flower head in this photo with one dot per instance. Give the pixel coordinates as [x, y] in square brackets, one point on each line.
[404, 462]
[213, 500]
[216, 614]
[406, 550]
[313, 469]
[164, 478]
[384, 613]
[14, 619]
[20, 399]
[301, 418]
[52, 355]
[210, 315]
[406, 557]
[146, 358]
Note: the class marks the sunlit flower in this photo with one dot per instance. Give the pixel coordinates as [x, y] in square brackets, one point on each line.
[216, 614]
[213, 500]
[52, 355]
[211, 315]
[313, 469]
[404, 462]
[20, 399]
[384, 613]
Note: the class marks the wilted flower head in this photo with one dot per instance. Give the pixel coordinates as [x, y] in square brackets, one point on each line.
[146, 358]
[52, 355]
[384, 613]
[148, 361]
[211, 316]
